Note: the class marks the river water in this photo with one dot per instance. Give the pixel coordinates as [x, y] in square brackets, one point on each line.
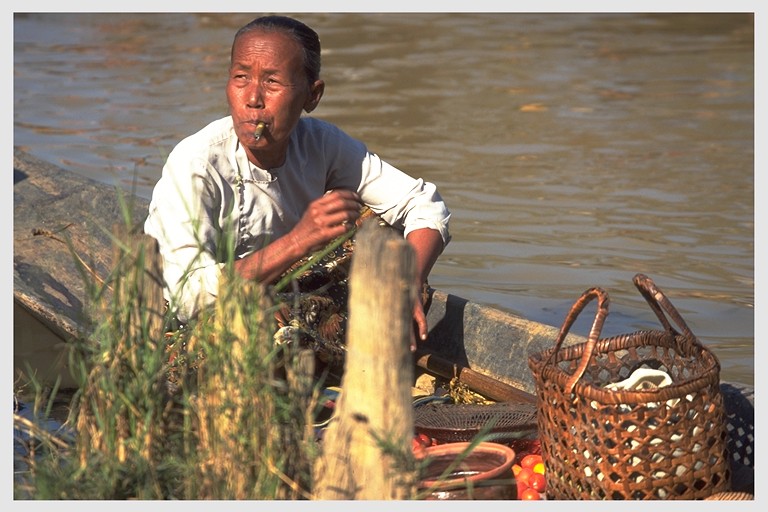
[574, 150]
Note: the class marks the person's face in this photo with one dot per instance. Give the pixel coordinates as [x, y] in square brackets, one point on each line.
[267, 83]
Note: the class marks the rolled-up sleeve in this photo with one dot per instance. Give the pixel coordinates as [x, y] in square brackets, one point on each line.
[403, 201]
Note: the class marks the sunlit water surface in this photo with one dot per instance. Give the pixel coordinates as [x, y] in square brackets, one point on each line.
[574, 150]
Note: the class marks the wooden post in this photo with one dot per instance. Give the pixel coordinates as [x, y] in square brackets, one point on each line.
[137, 256]
[363, 448]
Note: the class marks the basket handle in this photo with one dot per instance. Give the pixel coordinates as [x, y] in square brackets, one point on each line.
[659, 304]
[594, 333]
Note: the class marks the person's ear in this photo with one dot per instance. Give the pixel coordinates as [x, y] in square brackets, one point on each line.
[315, 93]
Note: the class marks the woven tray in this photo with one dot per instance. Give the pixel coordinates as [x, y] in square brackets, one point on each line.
[500, 422]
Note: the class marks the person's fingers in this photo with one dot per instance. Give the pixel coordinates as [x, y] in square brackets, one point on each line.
[343, 194]
[336, 207]
[420, 321]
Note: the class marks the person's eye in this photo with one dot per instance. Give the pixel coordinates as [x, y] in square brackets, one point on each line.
[239, 78]
[273, 84]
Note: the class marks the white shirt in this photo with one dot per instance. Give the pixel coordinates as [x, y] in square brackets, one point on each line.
[209, 192]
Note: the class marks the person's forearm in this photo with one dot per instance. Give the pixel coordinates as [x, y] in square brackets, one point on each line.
[428, 245]
[325, 219]
[266, 265]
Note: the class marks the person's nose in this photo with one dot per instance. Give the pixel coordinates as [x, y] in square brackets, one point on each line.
[256, 95]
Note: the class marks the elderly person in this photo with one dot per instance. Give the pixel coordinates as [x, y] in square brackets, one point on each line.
[270, 185]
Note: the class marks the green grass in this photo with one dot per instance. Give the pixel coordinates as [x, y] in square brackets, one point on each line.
[237, 424]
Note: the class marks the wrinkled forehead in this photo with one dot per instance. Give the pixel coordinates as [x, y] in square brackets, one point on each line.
[283, 40]
[271, 50]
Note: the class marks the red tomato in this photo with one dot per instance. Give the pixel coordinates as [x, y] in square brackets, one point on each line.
[524, 477]
[530, 495]
[538, 481]
[420, 442]
[531, 460]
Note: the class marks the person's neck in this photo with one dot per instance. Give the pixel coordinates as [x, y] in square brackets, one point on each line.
[266, 160]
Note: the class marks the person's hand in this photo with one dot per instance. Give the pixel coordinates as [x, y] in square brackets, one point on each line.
[420, 328]
[326, 218]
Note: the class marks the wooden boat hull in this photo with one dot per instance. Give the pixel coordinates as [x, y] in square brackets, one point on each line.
[50, 206]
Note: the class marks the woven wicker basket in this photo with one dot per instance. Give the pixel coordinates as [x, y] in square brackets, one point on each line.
[662, 443]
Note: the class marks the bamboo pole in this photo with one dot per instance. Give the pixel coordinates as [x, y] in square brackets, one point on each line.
[476, 381]
[363, 448]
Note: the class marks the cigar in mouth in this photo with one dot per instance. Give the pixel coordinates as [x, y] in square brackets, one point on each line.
[259, 128]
